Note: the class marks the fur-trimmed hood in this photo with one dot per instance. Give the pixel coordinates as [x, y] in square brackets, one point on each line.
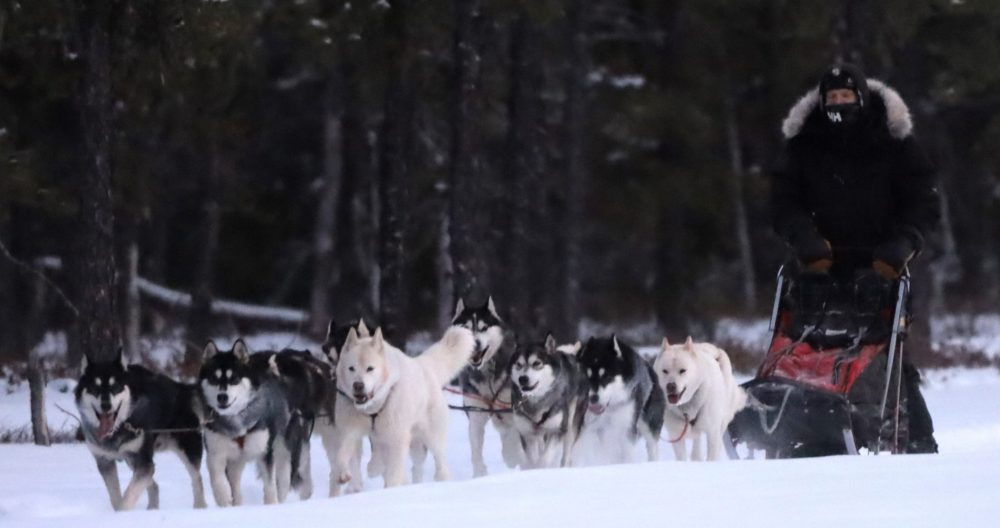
[897, 114]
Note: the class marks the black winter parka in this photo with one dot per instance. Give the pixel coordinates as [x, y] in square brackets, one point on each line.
[862, 191]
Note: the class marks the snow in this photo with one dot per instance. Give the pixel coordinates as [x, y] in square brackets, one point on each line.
[59, 486]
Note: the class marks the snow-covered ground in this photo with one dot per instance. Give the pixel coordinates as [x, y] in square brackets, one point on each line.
[59, 486]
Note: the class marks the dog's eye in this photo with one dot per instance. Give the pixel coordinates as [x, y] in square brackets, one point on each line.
[536, 365]
[683, 371]
[369, 369]
[350, 369]
[665, 371]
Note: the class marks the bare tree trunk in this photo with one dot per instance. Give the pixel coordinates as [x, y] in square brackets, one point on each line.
[738, 203]
[200, 317]
[35, 324]
[99, 334]
[393, 175]
[577, 179]
[523, 169]
[469, 271]
[36, 391]
[445, 268]
[326, 214]
[133, 307]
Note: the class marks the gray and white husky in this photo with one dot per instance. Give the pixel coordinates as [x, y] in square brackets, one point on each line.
[247, 417]
[127, 413]
[486, 384]
[549, 401]
[625, 401]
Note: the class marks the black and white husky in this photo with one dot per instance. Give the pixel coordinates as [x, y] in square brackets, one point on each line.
[127, 413]
[310, 388]
[486, 384]
[247, 418]
[549, 401]
[625, 401]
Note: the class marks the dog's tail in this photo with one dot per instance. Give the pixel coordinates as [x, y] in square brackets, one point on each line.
[738, 396]
[447, 357]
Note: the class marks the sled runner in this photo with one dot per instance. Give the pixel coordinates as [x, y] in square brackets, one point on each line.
[831, 380]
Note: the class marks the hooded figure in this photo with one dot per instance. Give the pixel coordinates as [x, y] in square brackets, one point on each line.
[853, 189]
[854, 196]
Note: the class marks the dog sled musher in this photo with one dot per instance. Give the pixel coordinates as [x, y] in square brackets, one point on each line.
[833, 380]
[853, 196]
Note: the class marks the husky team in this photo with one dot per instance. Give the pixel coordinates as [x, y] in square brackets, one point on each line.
[546, 400]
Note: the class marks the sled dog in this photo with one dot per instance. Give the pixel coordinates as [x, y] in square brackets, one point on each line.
[128, 413]
[625, 401]
[702, 396]
[397, 401]
[486, 384]
[549, 401]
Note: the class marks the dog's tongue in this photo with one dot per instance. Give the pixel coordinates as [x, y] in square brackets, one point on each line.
[596, 409]
[673, 398]
[106, 423]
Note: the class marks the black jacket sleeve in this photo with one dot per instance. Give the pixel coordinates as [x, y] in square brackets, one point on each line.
[792, 222]
[918, 205]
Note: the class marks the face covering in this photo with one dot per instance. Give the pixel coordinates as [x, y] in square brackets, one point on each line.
[843, 114]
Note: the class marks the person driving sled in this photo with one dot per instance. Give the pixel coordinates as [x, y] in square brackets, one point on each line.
[854, 196]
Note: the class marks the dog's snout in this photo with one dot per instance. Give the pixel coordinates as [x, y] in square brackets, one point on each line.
[523, 380]
[671, 387]
[593, 398]
[105, 405]
[222, 398]
[358, 387]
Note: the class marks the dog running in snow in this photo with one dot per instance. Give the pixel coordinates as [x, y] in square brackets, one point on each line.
[549, 401]
[702, 396]
[486, 384]
[625, 401]
[397, 401]
[128, 413]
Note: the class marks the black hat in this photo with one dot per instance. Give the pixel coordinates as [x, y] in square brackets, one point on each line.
[842, 76]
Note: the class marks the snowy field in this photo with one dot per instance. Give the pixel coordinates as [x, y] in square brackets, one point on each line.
[59, 486]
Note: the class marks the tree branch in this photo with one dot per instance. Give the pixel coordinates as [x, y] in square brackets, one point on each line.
[32, 270]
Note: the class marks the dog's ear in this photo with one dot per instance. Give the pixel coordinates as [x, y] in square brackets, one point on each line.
[210, 350]
[363, 329]
[272, 364]
[665, 343]
[241, 351]
[378, 340]
[459, 307]
[689, 344]
[83, 364]
[352, 339]
[121, 358]
[330, 329]
[492, 308]
[550, 343]
[618, 348]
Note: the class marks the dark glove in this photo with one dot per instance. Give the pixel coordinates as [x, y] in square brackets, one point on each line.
[890, 257]
[815, 252]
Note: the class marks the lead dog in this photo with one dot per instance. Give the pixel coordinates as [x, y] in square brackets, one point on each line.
[702, 396]
[128, 413]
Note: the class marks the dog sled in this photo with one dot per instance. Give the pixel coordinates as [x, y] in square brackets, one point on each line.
[831, 382]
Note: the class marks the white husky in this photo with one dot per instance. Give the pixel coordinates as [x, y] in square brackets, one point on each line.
[397, 401]
[702, 396]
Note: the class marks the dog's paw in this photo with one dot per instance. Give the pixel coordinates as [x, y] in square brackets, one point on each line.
[344, 477]
[353, 487]
[479, 471]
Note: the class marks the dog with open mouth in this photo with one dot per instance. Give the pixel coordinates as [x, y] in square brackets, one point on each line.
[127, 413]
[625, 402]
[549, 399]
[702, 396]
[486, 383]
